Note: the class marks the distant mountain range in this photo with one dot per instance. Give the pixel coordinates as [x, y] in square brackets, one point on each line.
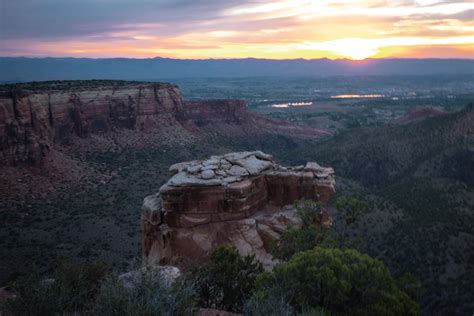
[39, 69]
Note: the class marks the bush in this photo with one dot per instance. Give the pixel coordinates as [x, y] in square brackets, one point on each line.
[273, 302]
[150, 297]
[72, 288]
[227, 282]
[342, 282]
[308, 211]
[351, 209]
[295, 240]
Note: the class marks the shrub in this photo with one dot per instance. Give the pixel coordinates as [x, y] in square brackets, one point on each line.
[295, 240]
[72, 288]
[227, 282]
[342, 282]
[151, 296]
[273, 302]
[351, 210]
[308, 211]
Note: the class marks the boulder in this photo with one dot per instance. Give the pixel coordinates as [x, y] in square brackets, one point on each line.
[237, 171]
[207, 174]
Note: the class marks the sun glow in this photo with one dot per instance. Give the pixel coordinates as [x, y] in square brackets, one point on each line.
[278, 29]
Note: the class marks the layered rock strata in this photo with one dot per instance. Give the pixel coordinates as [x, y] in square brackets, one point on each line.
[35, 117]
[31, 121]
[241, 199]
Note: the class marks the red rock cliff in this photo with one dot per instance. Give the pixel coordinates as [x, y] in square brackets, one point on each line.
[30, 121]
[241, 199]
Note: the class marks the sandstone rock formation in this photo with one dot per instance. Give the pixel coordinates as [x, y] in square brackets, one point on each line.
[241, 199]
[33, 119]
[30, 121]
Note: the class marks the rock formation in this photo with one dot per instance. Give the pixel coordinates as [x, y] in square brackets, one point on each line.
[34, 118]
[30, 121]
[242, 199]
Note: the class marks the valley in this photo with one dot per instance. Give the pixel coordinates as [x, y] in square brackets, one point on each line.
[84, 172]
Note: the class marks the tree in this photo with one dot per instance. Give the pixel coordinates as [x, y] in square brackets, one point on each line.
[228, 281]
[307, 237]
[295, 240]
[308, 211]
[351, 210]
[342, 282]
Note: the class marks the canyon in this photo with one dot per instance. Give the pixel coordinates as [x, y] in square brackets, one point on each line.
[240, 199]
[33, 120]
[77, 158]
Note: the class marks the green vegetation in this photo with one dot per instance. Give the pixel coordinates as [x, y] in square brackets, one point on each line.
[351, 210]
[295, 240]
[150, 297]
[73, 287]
[227, 282]
[91, 289]
[313, 281]
[416, 179]
[341, 282]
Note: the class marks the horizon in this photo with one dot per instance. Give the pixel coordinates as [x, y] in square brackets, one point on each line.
[253, 58]
[230, 29]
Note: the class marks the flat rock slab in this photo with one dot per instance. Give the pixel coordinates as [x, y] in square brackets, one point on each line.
[254, 165]
[184, 179]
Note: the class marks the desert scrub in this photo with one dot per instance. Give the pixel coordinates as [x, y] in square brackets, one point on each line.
[342, 282]
[71, 289]
[227, 281]
[152, 296]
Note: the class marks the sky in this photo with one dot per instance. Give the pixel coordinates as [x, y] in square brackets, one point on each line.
[198, 29]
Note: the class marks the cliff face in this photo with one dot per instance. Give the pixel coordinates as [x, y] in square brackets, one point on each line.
[240, 199]
[31, 121]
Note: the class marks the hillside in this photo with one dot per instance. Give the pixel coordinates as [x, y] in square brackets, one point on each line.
[424, 170]
[30, 69]
[418, 179]
[421, 193]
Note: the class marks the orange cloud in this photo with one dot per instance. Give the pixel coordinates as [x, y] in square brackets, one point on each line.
[279, 29]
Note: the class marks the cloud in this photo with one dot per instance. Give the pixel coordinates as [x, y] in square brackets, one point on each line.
[63, 18]
[229, 28]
